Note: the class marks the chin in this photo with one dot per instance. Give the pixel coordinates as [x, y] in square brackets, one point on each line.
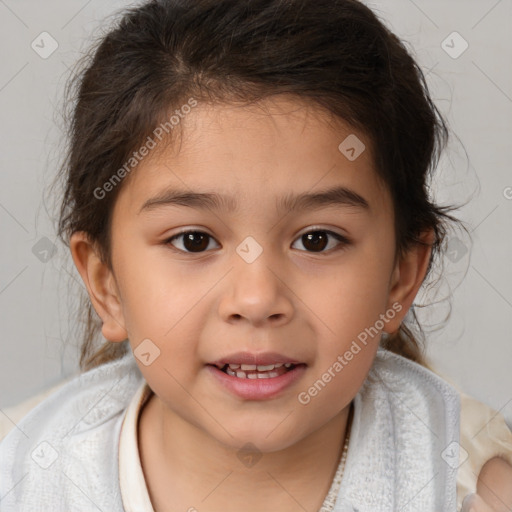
[256, 440]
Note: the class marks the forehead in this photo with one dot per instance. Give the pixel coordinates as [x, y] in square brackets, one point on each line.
[277, 148]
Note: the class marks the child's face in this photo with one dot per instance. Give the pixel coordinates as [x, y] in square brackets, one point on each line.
[309, 300]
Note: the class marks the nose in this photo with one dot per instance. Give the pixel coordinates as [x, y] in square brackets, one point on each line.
[256, 293]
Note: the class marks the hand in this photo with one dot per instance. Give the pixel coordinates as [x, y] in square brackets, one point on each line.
[474, 503]
[494, 489]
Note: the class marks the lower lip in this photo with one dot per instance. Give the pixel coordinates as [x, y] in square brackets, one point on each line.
[257, 389]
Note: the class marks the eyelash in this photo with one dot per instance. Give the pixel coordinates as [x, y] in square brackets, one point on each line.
[344, 241]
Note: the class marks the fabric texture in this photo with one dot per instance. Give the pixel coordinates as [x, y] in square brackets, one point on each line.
[64, 454]
[404, 441]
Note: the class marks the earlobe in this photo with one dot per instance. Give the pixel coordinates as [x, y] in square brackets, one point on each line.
[101, 286]
[407, 277]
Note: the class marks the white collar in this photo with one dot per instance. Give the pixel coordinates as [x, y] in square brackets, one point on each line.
[134, 490]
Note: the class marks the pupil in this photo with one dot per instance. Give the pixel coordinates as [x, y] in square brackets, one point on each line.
[193, 244]
[317, 239]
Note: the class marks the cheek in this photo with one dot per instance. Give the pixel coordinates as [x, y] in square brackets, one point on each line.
[352, 306]
[155, 293]
[167, 306]
[350, 298]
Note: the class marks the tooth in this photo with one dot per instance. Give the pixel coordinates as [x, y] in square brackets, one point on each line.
[248, 367]
[234, 366]
[262, 368]
[262, 372]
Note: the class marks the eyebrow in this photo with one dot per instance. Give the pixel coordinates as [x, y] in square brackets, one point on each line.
[337, 196]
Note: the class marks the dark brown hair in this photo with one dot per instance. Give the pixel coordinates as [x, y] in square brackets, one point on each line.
[334, 54]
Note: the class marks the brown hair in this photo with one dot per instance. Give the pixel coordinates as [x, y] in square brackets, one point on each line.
[335, 54]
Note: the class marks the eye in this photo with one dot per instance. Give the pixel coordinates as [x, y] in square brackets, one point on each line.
[317, 240]
[193, 241]
[313, 241]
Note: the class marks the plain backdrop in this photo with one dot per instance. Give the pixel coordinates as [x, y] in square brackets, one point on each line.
[465, 50]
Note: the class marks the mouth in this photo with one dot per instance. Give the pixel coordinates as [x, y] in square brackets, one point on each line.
[253, 371]
[256, 381]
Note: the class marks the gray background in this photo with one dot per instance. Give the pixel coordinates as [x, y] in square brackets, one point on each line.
[473, 91]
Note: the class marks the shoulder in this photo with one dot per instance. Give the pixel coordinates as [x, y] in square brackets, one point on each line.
[68, 441]
[11, 416]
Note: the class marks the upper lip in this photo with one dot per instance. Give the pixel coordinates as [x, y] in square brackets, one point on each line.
[262, 358]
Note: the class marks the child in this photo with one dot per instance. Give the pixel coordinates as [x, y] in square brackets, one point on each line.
[246, 200]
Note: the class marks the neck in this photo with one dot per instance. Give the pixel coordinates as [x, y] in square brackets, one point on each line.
[185, 465]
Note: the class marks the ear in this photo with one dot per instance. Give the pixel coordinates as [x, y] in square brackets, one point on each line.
[407, 278]
[101, 286]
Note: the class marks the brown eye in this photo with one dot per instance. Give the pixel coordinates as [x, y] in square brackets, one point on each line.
[318, 240]
[193, 241]
[313, 241]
